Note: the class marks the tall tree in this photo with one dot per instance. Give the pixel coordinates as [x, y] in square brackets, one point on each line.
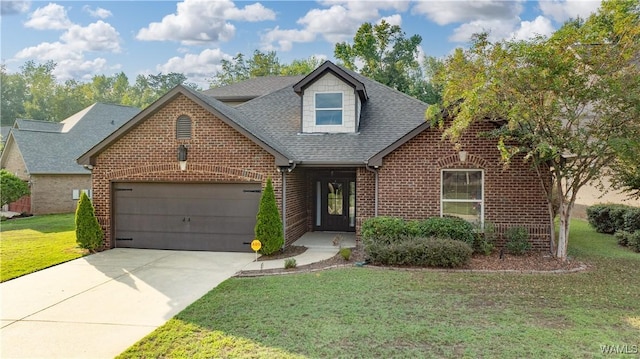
[12, 96]
[565, 99]
[301, 66]
[41, 83]
[389, 57]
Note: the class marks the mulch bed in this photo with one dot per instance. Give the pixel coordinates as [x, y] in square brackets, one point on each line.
[290, 251]
[532, 262]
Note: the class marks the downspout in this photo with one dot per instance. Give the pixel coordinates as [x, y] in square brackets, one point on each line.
[375, 195]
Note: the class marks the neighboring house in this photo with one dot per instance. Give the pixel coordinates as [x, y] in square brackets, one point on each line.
[186, 172]
[44, 154]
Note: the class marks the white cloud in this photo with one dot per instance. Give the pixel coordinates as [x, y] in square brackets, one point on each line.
[449, 12]
[98, 12]
[9, 7]
[285, 38]
[395, 19]
[98, 36]
[198, 68]
[530, 29]
[563, 10]
[203, 21]
[338, 21]
[50, 17]
[69, 52]
[497, 29]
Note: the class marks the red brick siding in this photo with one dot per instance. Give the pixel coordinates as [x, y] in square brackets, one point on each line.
[297, 215]
[216, 153]
[410, 183]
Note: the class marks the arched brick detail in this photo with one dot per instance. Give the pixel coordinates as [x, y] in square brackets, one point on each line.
[192, 168]
[240, 173]
[453, 161]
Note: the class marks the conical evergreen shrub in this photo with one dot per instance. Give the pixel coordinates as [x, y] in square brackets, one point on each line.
[269, 226]
[88, 231]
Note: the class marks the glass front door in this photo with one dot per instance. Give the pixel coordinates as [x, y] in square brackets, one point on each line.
[335, 204]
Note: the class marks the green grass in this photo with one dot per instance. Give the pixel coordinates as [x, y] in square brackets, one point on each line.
[31, 244]
[365, 312]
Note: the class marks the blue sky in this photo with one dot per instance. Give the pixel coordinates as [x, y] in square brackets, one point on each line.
[86, 38]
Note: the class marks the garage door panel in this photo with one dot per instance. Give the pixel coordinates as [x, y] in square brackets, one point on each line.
[217, 216]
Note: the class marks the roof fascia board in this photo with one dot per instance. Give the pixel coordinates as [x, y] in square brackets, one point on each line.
[88, 158]
[328, 66]
[280, 159]
[376, 160]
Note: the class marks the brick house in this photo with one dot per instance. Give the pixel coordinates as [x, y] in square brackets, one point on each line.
[186, 172]
[44, 154]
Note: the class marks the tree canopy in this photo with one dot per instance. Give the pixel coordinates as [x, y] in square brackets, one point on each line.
[565, 100]
[389, 57]
[260, 64]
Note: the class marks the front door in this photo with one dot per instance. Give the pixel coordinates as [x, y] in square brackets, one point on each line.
[335, 204]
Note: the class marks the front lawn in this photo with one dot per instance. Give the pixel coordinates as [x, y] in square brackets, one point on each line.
[31, 244]
[376, 313]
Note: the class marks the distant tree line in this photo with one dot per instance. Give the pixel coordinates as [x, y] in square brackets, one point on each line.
[34, 92]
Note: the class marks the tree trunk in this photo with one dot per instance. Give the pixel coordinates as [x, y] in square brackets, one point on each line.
[563, 235]
[552, 224]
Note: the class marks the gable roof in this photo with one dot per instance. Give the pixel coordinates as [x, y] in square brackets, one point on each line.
[387, 116]
[251, 88]
[273, 122]
[54, 152]
[343, 74]
[226, 113]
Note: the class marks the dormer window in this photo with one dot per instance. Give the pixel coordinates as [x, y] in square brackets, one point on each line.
[328, 106]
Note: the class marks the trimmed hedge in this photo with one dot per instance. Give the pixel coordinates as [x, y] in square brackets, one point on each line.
[418, 251]
[609, 218]
[392, 229]
[443, 227]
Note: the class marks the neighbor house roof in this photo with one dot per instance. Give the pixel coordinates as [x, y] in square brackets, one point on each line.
[54, 152]
[273, 121]
[37, 125]
[251, 88]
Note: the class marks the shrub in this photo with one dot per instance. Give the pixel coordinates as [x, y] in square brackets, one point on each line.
[607, 218]
[88, 230]
[290, 263]
[622, 237]
[390, 228]
[444, 227]
[631, 218]
[345, 253]
[12, 188]
[634, 241]
[416, 251]
[268, 228]
[485, 239]
[517, 240]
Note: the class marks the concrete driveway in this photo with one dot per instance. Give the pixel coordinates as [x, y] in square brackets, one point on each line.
[99, 305]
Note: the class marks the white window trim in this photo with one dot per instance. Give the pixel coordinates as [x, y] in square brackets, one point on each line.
[481, 201]
[315, 109]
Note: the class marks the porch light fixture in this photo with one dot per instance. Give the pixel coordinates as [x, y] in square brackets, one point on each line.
[182, 157]
[462, 155]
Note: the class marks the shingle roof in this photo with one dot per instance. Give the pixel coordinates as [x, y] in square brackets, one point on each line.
[387, 116]
[251, 88]
[273, 121]
[56, 152]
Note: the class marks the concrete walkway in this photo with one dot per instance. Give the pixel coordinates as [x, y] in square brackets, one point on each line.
[99, 305]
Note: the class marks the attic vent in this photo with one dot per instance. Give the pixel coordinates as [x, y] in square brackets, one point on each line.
[183, 128]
